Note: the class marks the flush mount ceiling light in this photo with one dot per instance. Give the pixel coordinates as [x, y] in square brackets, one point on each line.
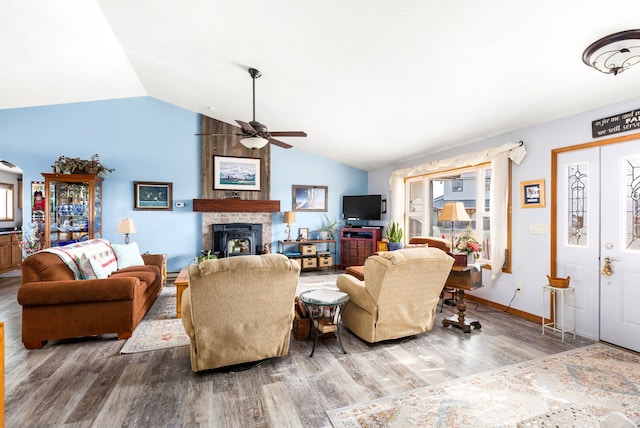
[615, 53]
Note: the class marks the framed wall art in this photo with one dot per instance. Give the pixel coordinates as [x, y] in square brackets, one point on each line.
[152, 196]
[532, 194]
[309, 198]
[232, 173]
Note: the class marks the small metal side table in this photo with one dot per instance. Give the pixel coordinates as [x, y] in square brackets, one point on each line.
[556, 326]
[321, 299]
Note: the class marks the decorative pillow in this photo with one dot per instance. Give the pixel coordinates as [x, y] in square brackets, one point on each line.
[102, 257]
[128, 255]
[85, 268]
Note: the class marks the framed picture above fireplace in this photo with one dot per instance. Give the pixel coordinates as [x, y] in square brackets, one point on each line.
[233, 173]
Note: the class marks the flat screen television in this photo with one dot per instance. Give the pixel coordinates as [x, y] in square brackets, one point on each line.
[361, 207]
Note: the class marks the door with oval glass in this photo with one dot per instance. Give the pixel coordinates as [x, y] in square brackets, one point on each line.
[598, 239]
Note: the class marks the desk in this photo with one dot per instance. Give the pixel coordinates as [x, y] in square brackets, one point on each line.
[463, 278]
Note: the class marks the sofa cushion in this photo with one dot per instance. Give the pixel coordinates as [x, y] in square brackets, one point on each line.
[127, 255]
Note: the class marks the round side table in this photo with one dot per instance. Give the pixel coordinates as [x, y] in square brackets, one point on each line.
[319, 300]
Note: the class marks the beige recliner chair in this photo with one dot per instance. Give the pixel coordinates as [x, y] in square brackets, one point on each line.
[399, 294]
[239, 309]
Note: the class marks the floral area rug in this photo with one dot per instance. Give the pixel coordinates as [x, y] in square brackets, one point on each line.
[593, 381]
[159, 329]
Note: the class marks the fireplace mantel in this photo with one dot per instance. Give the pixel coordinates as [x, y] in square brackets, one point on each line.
[236, 205]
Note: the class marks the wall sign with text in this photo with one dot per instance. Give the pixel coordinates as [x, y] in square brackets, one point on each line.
[614, 124]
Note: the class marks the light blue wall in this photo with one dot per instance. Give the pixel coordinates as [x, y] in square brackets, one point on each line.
[293, 166]
[531, 252]
[145, 139]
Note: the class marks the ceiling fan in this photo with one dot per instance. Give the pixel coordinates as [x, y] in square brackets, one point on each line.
[257, 135]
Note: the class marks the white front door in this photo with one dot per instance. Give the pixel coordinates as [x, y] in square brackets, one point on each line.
[620, 242]
[598, 217]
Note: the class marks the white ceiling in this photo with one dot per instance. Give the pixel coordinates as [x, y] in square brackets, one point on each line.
[373, 83]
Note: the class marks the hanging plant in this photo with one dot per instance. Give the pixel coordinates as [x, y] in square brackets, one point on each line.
[66, 165]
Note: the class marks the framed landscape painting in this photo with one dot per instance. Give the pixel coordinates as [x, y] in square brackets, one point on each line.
[231, 173]
[150, 196]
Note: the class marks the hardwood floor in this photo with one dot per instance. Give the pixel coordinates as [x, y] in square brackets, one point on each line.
[87, 383]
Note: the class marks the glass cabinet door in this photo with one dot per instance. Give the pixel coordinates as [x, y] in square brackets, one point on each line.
[74, 208]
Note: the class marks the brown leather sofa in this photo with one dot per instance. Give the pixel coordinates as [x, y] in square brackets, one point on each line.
[56, 305]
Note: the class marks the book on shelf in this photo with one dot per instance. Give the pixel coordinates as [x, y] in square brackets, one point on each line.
[325, 325]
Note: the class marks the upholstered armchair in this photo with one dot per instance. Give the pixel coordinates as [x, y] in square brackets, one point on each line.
[239, 309]
[399, 294]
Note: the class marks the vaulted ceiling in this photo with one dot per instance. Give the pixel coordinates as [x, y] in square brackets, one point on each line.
[373, 83]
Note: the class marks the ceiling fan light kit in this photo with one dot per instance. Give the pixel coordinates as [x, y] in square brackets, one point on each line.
[256, 135]
[614, 53]
[254, 142]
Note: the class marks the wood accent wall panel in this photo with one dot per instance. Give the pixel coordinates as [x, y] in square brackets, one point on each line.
[229, 145]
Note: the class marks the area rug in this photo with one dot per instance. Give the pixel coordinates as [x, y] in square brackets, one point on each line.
[159, 329]
[591, 381]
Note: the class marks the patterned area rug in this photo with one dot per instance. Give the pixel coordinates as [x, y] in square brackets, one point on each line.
[592, 381]
[160, 329]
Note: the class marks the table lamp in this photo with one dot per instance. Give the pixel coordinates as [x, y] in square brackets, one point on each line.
[453, 211]
[126, 226]
[289, 219]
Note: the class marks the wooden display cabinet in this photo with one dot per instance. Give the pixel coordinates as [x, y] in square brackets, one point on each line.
[73, 208]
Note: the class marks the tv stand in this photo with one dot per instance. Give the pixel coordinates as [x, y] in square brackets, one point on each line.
[358, 243]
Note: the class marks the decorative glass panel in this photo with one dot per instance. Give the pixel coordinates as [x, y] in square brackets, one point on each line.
[632, 199]
[577, 204]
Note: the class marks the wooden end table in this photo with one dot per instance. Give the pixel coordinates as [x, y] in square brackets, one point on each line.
[463, 278]
[181, 283]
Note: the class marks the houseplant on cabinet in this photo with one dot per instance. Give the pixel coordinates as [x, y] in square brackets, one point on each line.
[393, 233]
[92, 166]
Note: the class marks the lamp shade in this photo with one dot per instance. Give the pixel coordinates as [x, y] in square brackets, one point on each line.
[127, 226]
[254, 142]
[454, 211]
[289, 217]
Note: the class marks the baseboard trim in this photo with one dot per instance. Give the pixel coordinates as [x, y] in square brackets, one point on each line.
[521, 314]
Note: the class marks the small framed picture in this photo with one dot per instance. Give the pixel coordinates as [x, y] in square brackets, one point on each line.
[152, 196]
[309, 198]
[532, 194]
[303, 234]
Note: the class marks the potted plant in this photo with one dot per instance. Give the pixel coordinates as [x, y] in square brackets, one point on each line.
[393, 233]
[327, 228]
[206, 255]
[93, 166]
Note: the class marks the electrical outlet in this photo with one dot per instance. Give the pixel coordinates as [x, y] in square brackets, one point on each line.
[518, 288]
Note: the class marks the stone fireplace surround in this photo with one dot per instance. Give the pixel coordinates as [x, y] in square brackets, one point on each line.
[210, 218]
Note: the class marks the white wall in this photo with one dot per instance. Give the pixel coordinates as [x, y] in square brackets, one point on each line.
[530, 252]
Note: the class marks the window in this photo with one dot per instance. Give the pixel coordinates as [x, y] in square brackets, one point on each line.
[427, 194]
[6, 202]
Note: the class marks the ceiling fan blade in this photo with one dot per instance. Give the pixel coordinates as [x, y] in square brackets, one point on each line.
[217, 135]
[247, 128]
[288, 133]
[279, 143]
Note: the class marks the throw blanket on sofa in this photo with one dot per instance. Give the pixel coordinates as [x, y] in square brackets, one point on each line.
[94, 248]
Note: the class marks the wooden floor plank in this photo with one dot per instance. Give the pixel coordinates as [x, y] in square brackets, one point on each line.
[86, 382]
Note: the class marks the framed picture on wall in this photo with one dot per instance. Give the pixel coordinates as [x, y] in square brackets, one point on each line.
[532, 194]
[232, 173]
[152, 196]
[309, 198]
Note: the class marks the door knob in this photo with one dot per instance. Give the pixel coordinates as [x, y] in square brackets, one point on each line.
[607, 267]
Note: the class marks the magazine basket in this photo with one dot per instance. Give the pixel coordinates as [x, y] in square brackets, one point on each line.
[301, 328]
